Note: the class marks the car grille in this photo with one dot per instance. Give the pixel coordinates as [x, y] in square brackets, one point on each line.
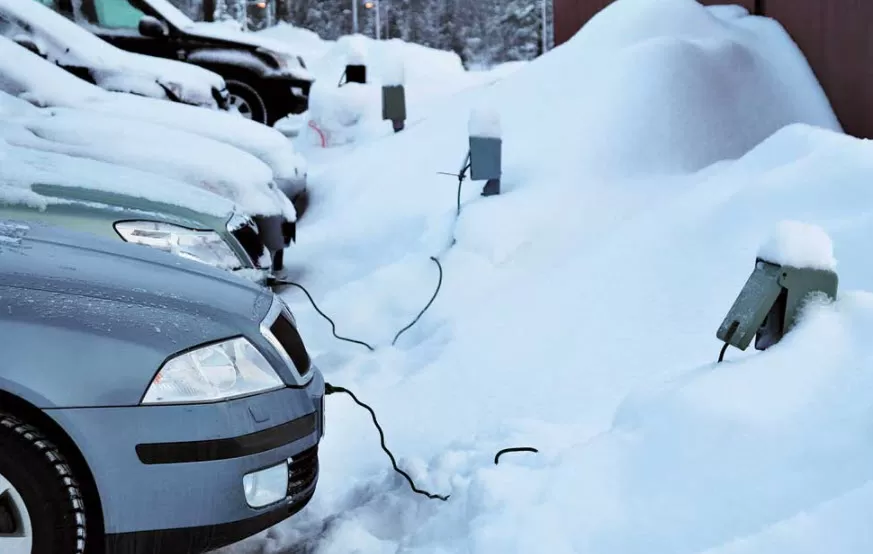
[291, 342]
[248, 237]
[302, 472]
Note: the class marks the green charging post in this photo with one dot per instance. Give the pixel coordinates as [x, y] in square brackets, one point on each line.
[794, 264]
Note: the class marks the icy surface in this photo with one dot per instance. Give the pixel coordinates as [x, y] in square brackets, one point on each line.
[800, 245]
[578, 310]
[25, 75]
[66, 43]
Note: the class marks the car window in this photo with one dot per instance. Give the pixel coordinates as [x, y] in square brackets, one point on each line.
[116, 14]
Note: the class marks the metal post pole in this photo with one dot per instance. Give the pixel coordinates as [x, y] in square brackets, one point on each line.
[378, 21]
[355, 17]
[545, 27]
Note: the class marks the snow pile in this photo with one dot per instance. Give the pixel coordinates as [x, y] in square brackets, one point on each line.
[66, 43]
[26, 76]
[578, 310]
[484, 122]
[23, 168]
[797, 244]
[239, 177]
[429, 75]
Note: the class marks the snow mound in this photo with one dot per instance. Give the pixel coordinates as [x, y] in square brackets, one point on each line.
[797, 244]
[578, 309]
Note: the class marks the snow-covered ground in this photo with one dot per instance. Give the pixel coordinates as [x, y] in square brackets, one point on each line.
[430, 76]
[646, 162]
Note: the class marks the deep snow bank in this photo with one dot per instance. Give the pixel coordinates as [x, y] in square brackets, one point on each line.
[578, 309]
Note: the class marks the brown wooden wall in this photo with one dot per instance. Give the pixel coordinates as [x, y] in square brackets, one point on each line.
[835, 35]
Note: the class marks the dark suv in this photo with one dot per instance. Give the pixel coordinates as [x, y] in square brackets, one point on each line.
[265, 80]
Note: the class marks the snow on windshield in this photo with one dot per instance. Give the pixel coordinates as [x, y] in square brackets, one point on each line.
[66, 43]
[199, 161]
[23, 168]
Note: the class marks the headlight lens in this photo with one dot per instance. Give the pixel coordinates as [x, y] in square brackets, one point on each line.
[220, 371]
[202, 246]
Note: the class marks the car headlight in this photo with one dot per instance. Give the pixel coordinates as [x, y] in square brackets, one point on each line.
[219, 371]
[202, 246]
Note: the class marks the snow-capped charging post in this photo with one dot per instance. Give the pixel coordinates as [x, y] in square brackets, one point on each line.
[486, 147]
[356, 62]
[796, 262]
[394, 95]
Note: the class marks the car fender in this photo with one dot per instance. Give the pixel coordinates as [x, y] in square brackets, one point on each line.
[231, 59]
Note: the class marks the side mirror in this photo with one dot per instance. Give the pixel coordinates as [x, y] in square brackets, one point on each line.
[27, 42]
[151, 27]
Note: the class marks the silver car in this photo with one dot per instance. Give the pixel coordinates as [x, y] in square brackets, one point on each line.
[147, 403]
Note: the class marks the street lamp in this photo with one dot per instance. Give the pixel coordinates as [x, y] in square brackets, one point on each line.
[370, 5]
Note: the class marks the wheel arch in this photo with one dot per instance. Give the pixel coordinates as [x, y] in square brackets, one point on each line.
[24, 410]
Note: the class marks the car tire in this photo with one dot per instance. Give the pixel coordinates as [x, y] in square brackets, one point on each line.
[39, 495]
[244, 98]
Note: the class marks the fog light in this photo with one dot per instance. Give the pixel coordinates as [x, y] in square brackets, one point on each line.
[266, 486]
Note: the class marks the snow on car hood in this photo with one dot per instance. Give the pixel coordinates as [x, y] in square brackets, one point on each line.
[219, 31]
[66, 43]
[198, 161]
[21, 168]
[27, 76]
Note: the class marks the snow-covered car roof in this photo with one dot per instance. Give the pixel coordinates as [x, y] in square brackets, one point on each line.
[22, 168]
[27, 76]
[67, 44]
[199, 161]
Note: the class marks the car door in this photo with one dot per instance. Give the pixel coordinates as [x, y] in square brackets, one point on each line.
[117, 22]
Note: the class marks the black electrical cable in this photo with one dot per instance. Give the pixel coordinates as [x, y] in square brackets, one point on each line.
[429, 302]
[343, 76]
[276, 280]
[723, 350]
[330, 389]
[518, 449]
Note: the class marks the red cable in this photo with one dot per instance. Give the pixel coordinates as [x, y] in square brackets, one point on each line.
[314, 127]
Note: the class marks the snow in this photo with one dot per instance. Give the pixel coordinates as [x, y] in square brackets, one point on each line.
[578, 310]
[430, 77]
[797, 244]
[196, 160]
[25, 75]
[393, 73]
[484, 122]
[22, 168]
[68, 44]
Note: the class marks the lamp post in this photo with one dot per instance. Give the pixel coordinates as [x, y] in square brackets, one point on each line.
[370, 4]
[354, 17]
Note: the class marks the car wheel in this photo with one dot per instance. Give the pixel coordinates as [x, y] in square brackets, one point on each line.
[41, 505]
[245, 100]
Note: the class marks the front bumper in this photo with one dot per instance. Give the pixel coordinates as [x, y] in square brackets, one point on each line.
[170, 478]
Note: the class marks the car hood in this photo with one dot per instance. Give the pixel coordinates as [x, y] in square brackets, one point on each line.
[46, 258]
[217, 33]
[88, 321]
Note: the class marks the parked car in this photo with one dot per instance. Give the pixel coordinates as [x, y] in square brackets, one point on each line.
[27, 76]
[266, 80]
[130, 205]
[62, 42]
[198, 161]
[147, 403]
